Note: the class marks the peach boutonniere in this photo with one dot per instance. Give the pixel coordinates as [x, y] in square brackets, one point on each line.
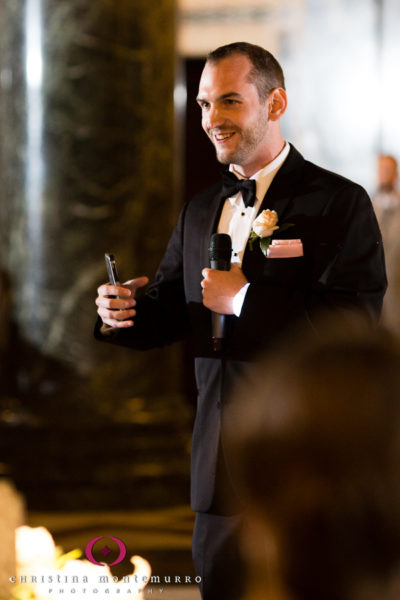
[264, 228]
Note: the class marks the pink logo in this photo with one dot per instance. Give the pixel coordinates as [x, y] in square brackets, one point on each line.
[106, 550]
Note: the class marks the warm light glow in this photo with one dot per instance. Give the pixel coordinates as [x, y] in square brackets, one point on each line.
[38, 558]
[35, 547]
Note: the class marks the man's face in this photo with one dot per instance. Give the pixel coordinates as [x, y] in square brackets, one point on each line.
[232, 115]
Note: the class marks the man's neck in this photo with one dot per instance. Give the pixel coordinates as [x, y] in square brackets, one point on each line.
[247, 171]
[250, 169]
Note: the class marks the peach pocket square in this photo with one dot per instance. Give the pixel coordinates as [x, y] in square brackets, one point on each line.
[285, 249]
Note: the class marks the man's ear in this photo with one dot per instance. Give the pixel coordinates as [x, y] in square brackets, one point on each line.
[277, 103]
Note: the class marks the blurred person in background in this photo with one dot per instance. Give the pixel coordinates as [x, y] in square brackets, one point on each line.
[386, 202]
[314, 444]
[386, 199]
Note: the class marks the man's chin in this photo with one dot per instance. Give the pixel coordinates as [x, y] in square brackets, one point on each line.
[223, 157]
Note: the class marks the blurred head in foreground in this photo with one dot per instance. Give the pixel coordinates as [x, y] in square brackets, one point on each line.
[314, 447]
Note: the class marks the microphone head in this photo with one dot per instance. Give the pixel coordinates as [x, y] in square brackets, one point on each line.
[220, 247]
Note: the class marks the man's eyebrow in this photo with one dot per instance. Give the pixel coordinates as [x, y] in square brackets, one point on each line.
[229, 94]
[222, 97]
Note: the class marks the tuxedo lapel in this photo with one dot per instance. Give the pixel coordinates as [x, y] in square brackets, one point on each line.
[279, 197]
[282, 189]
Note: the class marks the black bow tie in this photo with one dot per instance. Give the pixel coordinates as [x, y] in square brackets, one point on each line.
[231, 185]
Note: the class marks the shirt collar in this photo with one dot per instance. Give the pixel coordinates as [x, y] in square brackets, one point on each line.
[264, 176]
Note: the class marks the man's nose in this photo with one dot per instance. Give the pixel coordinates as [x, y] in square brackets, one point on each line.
[214, 117]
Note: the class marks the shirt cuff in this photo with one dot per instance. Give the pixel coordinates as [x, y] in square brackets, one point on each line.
[239, 299]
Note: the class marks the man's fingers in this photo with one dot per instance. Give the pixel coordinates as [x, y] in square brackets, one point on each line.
[125, 289]
[205, 273]
[138, 282]
[116, 317]
[113, 290]
[115, 303]
[118, 324]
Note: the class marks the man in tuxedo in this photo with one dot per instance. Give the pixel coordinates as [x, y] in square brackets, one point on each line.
[327, 255]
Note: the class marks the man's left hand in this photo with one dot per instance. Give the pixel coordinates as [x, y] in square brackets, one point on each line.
[220, 288]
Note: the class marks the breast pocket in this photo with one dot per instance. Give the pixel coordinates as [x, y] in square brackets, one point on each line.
[285, 271]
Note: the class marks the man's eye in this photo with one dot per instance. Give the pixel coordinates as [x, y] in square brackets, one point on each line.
[204, 105]
[230, 101]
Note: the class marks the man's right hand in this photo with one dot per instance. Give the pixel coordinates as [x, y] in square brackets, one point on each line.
[114, 311]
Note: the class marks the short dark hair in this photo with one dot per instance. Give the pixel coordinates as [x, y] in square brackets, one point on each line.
[266, 73]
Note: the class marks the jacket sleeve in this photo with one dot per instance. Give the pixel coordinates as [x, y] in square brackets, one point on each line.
[349, 265]
[161, 314]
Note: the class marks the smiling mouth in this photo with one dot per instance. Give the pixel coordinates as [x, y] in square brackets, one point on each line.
[223, 137]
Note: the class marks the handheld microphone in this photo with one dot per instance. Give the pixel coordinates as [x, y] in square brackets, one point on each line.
[219, 253]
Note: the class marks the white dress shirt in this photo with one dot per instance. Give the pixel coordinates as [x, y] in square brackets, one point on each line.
[237, 220]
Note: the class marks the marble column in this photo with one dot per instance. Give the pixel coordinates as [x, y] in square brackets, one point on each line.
[86, 167]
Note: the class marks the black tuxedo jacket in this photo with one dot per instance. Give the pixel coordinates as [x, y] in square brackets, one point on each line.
[342, 267]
